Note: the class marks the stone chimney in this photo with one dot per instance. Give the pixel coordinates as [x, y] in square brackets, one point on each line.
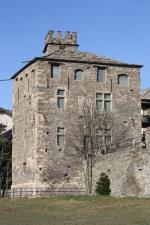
[54, 43]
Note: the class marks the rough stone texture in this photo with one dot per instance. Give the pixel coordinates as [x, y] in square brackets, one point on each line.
[36, 118]
[128, 172]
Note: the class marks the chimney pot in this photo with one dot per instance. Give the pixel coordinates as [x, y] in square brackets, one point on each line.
[53, 43]
[74, 37]
[49, 37]
[59, 36]
[67, 35]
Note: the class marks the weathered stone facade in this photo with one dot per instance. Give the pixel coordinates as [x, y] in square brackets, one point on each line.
[36, 117]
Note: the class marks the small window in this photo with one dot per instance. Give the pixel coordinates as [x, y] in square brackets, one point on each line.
[99, 102]
[60, 136]
[101, 75]
[78, 75]
[123, 79]
[103, 137]
[106, 102]
[55, 71]
[60, 98]
[103, 102]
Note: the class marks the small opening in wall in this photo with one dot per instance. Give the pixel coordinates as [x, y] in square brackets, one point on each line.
[125, 121]
[68, 166]
[24, 163]
[46, 150]
[66, 174]
[103, 152]
[47, 132]
[131, 90]
[81, 116]
[16, 79]
[60, 149]
[21, 78]
[40, 168]
[68, 180]
[62, 47]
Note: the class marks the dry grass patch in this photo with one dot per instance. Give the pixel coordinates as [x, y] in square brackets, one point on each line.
[79, 210]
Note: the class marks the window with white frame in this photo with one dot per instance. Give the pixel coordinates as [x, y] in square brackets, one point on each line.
[103, 137]
[101, 75]
[123, 79]
[78, 75]
[60, 98]
[60, 136]
[54, 71]
[103, 102]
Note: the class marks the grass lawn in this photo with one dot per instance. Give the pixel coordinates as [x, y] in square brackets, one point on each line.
[79, 210]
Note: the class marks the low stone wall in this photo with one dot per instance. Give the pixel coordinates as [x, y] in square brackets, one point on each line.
[128, 171]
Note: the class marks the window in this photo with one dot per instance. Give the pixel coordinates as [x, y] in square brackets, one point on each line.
[55, 71]
[60, 136]
[60, 98]
[103, 137]
[123, 79]
[78, 75]
[101, 75]
[103, 102]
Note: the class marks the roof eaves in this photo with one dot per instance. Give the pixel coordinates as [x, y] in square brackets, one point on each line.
[24, 67]
[75, 61]
[93, 62]
[5, 111]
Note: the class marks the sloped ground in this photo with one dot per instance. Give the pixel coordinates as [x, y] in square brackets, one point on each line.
[69, 210]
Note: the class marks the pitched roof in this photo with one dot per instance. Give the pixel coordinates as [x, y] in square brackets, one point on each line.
[86, 57]
[77, 57]
[146, 94]
[5, 111]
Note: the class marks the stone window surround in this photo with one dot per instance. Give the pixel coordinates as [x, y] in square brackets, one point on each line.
[52, 65]
[75, 74]
[119, 81]
[103, 100]
[60, 131]
[104, 74]
[103, 134]
[61, 97]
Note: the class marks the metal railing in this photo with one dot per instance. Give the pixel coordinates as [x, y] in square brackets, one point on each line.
[39, 192]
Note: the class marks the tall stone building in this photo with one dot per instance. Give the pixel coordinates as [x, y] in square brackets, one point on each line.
[46, 92]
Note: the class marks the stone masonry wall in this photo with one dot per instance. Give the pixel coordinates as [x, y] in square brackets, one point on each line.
[24, 128]
[36, 118]
[125, 106]
[128, 172]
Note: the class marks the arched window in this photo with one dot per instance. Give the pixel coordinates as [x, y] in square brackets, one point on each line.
[123, 79]
[78, 75]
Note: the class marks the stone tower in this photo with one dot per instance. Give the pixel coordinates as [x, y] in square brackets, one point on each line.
[46, 91]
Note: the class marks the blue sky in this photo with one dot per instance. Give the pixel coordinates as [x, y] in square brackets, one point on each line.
[119, 29]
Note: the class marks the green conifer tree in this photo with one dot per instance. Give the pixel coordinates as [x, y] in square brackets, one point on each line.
[103, 185]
